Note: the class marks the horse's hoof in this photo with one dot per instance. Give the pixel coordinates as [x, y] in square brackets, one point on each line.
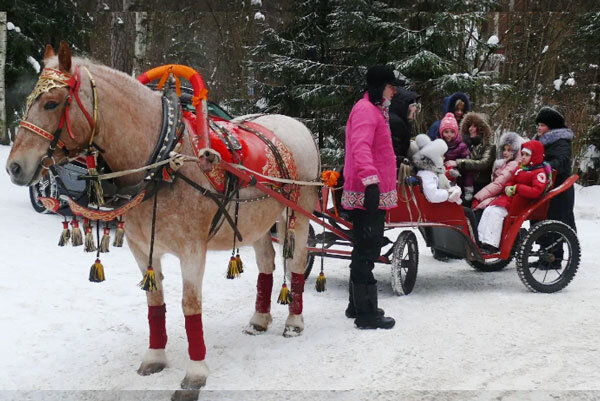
[254, 330]
[146, 369]
[193, 383]
[154, 361]
[185, 395]
[195, 377]
[292, 331]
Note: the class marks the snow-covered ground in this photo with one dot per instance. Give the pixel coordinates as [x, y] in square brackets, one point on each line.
[460, 335]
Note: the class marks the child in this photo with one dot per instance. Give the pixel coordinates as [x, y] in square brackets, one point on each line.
[529, 181]
[430, 162]
[457, 149]
[509, 158]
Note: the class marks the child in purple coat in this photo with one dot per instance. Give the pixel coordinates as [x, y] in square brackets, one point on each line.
[457, 149]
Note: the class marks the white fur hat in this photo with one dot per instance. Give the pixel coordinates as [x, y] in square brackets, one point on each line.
[434, 151]
[421, 140]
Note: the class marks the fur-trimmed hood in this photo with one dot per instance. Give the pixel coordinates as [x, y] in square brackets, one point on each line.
[511, 139]
[431, 156]
[554, 135]
[480, 121]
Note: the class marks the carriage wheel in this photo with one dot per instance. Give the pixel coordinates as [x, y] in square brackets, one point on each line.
[405, 263]
[531, 256]
[494, 265]
[310, 258]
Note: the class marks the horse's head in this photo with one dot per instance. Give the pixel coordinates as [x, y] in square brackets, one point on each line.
[51, 129]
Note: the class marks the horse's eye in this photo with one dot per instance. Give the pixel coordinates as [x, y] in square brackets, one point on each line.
[50, 105]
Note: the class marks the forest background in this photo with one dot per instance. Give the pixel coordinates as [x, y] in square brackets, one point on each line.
[307, 59]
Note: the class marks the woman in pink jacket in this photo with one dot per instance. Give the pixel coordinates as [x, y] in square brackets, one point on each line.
[369, 189]
[509, 152]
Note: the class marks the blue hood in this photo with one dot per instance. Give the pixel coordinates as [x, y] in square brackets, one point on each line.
[450, 101]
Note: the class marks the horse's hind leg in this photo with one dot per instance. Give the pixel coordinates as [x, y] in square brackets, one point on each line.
[294, 324]
[265, 260]
[155, 358]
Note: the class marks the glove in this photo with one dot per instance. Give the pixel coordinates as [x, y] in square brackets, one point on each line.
[450, 163]
[372, 198]
[474, 203]
[454, 195]
[468, 193]
[510, 190]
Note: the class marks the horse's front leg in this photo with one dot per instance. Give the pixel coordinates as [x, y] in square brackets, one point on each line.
[265, 260]
[155, 358]
[192, 273]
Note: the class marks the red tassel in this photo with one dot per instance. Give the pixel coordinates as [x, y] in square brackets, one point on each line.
[76, 236]
[65, 235]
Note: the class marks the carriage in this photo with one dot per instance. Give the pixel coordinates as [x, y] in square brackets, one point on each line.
[451, 228]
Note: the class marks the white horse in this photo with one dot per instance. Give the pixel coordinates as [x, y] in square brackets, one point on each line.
[127, 129]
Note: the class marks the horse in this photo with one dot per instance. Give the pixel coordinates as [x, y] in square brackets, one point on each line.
[127, 128]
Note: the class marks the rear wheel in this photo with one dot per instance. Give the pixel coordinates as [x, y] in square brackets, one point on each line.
[548, 257]
[405, 262]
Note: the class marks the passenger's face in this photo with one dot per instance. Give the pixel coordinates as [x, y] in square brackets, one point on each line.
[525, 159]
[459, 112]
[507, 152]
[542, 129]
[448, 135]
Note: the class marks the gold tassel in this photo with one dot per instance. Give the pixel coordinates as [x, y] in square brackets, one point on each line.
[232, 269]
[95, 191]
[105, 242]
[76, 237]
[119, 234]
[89, 240]
[148, 282]
[238, 261]
[285, 296]
[321, 284]
[66, 234]
[97, 272]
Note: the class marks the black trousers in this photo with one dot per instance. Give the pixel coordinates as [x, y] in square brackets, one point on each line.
[368, 237]
[561, 209]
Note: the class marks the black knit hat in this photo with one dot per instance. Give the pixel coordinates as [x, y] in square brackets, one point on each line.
[549, 116]
[381, 75]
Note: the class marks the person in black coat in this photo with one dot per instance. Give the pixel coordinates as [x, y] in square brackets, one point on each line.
[557, 139]
[402, 112]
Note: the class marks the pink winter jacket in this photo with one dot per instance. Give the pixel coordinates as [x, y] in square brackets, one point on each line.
[494, 189]
[370, 157]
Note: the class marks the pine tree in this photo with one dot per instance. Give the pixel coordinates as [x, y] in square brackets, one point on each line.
[36, 23]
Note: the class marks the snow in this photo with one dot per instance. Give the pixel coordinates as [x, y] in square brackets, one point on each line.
[256, 3]
[570, 82]
[589, 158]
[461, 333]
[558, 83]
[493, 40]
[10, 26]
[259, 16]
[34, 63]
[545, 49]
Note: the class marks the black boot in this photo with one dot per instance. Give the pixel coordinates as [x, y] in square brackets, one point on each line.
[351, 310]
[365, 302]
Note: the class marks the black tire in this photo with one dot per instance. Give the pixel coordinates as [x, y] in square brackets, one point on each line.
[405, 262]
[310, 258]
[47, 187]
[553, 280]
[494, 265]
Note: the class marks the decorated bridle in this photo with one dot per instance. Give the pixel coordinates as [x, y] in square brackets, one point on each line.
[49, 79]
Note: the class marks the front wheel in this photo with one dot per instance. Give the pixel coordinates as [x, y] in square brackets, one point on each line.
[548, 257]
[405, 262]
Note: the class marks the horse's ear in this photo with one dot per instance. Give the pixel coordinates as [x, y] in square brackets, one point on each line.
[64, 57]
[49, 52]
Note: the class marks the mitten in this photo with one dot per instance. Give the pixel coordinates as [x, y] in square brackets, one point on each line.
[468, 193]
[454, 195]
[474, 203]
[510, 190]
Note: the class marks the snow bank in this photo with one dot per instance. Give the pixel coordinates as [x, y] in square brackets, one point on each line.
[587, 202]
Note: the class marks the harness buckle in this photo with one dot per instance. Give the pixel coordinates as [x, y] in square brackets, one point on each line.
[46, 167]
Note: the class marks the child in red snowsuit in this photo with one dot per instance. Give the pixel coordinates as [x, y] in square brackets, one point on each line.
[529, 181]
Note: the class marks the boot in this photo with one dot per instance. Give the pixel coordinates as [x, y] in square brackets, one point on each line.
[365, 302]
[350, 310]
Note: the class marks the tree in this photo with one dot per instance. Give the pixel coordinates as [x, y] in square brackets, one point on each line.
[35, 23]
[4, 137]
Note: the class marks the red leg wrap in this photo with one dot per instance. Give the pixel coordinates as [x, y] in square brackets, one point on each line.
[297, 289]
[158, 329]
[264, 287]
[195, 335]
